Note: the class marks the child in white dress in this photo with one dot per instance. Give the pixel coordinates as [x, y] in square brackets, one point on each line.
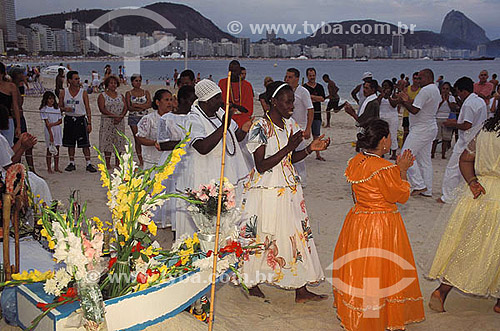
[275, 215]
[51, 115]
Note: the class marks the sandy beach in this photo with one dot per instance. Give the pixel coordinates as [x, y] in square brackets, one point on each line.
[328, 199]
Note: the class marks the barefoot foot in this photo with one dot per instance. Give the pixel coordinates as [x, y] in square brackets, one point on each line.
[302, 295]
[256, 292]
[417, 192]
[436, 302]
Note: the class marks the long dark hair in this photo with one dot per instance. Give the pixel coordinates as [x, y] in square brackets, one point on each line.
[45, 99]
[493, 124]
[373, 131]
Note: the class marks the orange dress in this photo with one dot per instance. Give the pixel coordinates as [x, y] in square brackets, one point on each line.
[375, 280]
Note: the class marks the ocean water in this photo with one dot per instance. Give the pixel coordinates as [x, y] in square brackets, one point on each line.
[346, 73]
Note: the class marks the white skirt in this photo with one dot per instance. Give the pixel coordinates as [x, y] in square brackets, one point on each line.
[56, 133]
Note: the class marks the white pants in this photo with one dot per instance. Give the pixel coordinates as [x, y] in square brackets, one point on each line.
[393, 121]
[452, 178]
[419, 141]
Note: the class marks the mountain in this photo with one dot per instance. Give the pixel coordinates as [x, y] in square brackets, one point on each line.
[493, 47]
[415, 39]
[184, 18]
[457, 25]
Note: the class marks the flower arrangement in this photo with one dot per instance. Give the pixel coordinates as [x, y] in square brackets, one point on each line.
[207, 197]
[137, 261]
[133, 195]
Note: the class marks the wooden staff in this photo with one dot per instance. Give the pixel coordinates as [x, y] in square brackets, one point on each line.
[7, 205]
[219, 206]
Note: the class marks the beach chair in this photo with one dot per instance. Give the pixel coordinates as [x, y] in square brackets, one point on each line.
[13, 200]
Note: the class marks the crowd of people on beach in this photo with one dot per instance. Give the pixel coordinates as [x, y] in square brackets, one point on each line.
[265, 161]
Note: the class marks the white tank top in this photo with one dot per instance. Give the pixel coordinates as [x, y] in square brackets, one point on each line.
[386, 109]
[76, 103]
[361, 96]
[95, 76]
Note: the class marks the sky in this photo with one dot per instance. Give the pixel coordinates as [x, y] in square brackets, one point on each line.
[424, 14]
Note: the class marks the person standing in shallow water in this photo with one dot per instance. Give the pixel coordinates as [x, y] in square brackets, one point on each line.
[275, 215]
[372, 237]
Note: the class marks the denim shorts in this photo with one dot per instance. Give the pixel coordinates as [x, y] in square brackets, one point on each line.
[133, 120]
[316, 128]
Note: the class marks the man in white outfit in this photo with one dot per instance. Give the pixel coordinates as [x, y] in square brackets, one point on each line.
[423, 130]
[472, 116]
[303, 114]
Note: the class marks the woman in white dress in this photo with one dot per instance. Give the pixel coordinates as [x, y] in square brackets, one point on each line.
[389, 113]
[147, 129]
[274, 208]
[171, 131]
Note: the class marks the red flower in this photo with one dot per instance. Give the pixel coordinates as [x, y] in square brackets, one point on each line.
[142, 278]
[209, 253]
[178, 264]
[143, 228]
[138, 247]
[112, 261]
[71, 293]
[42, 306]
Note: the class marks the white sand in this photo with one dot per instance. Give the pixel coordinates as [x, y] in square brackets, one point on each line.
[328, 199]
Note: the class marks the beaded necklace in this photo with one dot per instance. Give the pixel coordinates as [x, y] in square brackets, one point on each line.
[239, 93]
[371, 154]
[216, 127]
[293, 186]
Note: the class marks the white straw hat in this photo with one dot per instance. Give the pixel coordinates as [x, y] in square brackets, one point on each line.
[206, 89]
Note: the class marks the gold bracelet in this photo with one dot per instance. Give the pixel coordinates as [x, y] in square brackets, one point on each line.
[472, 180]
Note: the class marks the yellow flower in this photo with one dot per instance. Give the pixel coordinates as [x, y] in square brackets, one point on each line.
[141, 287]
[153, 278]
[52, 244]
[149, 251]
[45, 234]
[98, 223]
[195, 238]
[152, 228]
[34, 276]
[135, 183]
[39, 222]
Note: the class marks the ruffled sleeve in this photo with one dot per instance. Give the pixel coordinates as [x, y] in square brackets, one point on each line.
[393, 188]
[471, 147]
[257, 136]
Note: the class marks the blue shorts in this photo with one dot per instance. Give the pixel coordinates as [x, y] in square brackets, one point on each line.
[316, 128]
[133, 120]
